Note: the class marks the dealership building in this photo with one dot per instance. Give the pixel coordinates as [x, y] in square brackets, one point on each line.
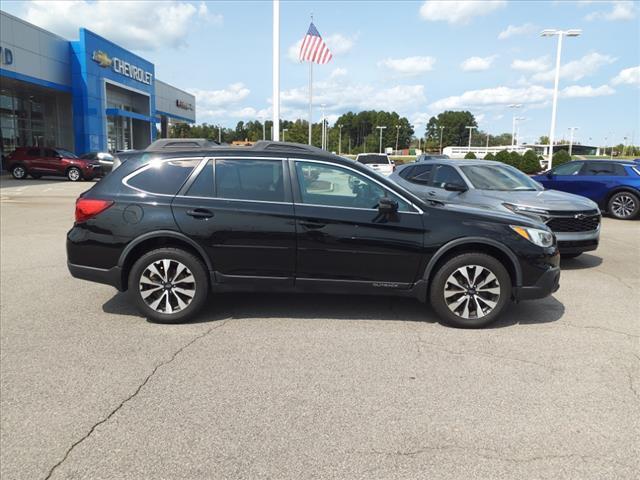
[83, 95]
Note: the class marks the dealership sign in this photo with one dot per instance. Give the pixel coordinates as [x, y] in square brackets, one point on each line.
[122, 67]
[184, 105]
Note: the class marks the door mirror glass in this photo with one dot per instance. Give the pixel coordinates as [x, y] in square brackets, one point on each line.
[550, 174]
[387, 205]
[454, 187]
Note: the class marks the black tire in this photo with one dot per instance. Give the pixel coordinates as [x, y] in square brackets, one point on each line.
[501, 286]
[624, 205]
[74, 174]
[19, 172]
[159, 314]
[565, 256]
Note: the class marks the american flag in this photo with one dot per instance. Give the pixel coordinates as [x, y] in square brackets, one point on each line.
[313, 48]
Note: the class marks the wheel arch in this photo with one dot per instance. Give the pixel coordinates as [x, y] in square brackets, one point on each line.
[621, 188]
[151, 241]
[479, 245]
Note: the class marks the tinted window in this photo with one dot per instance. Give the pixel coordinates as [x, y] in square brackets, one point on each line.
[89, 156]
[334, 186]
[203, 184]
[604, 168]
[164, 177]
[421, 174]
[406, 172]
[446, 174]
[373, 158]
[65, 153]
[568, 169]
[250, 180]
[498, 177]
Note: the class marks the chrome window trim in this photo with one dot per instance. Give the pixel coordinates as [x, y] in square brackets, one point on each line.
[151, 163]
[385, 187]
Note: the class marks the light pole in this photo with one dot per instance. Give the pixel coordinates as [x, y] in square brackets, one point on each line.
[611, 151]
[470, 131]
[381, 129]
[517, 137]
[284, 131]
[513, 122]
[219, 134]
[550, 32]
[571, 129]
[340, 140]
[264, 129]
[441, 129]
[397, 135]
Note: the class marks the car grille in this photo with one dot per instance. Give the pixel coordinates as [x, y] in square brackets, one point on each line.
[579, 222]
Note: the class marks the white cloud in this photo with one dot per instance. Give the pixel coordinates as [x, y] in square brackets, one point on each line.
[577, 69]
[214, 99]
[512, 30]
[539, 64]
[408, 65]
[135, 25]
[477, 64]
[621, 10]
[338, 72]
[580, 91]
[458, 12]
[338, 44]
[628, 76]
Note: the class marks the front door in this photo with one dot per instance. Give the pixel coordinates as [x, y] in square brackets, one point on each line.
[442, 175]
[341, 235]
[566, 178]
[240, 211]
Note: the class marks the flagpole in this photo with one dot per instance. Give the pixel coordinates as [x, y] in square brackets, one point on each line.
[276, 70]
[310, 100]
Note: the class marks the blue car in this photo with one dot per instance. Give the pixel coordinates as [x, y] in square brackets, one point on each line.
[613, 184]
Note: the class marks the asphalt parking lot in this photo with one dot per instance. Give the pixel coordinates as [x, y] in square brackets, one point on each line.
[282, 386]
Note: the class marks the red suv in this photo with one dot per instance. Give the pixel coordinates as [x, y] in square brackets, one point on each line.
[39, 161]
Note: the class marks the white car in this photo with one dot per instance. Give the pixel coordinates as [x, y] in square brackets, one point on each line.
[380, 162]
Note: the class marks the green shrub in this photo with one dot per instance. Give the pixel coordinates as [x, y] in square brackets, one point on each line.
[470, 155]
[529, 163]
[502, 156]
[514, 159]
[489, 156]
[560, 157]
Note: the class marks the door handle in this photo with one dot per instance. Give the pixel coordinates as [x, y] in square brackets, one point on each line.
[431, 192]
[313, 225]
[200, 213]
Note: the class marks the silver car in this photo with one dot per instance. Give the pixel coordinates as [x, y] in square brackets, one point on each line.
[575, 220]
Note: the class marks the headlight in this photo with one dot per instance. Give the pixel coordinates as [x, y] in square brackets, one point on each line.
[542, 238]
[524, 210]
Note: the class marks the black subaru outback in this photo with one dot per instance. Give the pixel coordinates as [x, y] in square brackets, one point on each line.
[175, 221]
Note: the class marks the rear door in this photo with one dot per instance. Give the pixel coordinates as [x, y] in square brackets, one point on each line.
[343, 239]
[241, 212]
[599, 178]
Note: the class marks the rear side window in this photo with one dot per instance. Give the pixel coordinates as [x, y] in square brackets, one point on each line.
[260, 180]
[203, 184]
[604, 169]
[420, 174]
[406, 172]
[163, 177]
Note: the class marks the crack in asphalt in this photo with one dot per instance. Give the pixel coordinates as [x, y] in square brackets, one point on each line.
[135, 393]
[623, 282]
[604, 329]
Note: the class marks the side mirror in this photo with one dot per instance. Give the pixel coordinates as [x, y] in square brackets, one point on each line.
[387, 205]
[455, 187]
[549, 174]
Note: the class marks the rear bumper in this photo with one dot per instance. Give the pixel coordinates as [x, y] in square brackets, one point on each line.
[548, 283]
[110, 276]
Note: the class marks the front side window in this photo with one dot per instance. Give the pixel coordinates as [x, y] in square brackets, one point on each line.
[446, 174]
[163, 177]
[244, 179]
[568, 169]
[421, 174]
[334, 186]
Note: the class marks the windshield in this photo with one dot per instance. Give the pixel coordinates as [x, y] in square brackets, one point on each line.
[372, 158]
[498, 177]
[66, 153]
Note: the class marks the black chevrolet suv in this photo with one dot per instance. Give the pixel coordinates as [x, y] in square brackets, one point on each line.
[170, 224]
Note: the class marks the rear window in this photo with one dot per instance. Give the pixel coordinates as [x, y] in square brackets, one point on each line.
[373, 158]
[163, 177]
[250, 180]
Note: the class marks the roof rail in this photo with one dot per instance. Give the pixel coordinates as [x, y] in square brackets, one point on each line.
[164, 144]
[267, 145]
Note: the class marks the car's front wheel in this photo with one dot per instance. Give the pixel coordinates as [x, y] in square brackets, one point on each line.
[74, 174]
[168, 285]
[19, 172]
[470, 290]
[624, 205]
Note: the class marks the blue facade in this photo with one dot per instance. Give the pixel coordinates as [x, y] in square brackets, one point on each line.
[95, 62]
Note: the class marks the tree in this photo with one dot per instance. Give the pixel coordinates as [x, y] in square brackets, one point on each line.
[470, 155]
[543, 140]
[503, 156]
[529, 163]
[455, 132]
[560, 157]
[489, 156]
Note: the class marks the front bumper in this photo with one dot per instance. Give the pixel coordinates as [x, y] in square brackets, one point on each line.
[548, 283]
[578, 242]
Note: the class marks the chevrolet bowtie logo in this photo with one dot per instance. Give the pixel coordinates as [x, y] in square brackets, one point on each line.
[101, 58]
[580, 216]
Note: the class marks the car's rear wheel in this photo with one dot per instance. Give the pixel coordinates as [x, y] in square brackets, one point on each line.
[470, 290]
[74, 174]
[624, 205]
[169, 285]
[19, 172]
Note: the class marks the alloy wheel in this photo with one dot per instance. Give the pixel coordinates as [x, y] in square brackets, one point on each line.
[19, 172]
[74, 174]
[623, 205]
[472, 291]
[167, 286]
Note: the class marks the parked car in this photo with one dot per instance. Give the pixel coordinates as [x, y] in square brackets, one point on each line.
[104, 158]
[492, 185]
[39, 161]
[613, 184]
[425, 157]
[380, 162]
[170, 226]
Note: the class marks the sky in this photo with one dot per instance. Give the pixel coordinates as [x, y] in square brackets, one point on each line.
[415, 57]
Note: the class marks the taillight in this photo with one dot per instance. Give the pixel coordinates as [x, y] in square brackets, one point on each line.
[87, 208]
